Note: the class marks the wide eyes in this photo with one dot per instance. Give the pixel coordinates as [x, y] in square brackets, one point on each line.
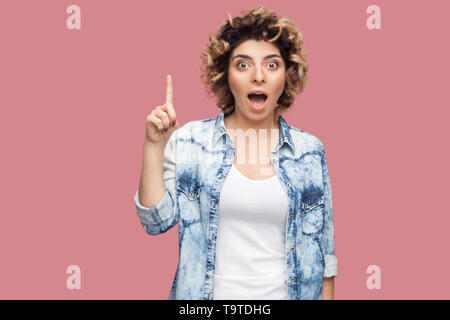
[271, 64]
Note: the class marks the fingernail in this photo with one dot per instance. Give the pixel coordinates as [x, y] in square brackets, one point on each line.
[174, 122]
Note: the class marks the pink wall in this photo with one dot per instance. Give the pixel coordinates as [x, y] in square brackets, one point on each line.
[73, 108]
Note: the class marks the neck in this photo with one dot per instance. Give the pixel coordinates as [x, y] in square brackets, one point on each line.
[238, 121]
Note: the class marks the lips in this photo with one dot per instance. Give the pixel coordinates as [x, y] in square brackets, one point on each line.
[257, 101]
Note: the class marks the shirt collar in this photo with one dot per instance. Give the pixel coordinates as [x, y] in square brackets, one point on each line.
[284, 137]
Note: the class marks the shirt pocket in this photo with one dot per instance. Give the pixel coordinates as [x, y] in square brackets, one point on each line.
[312, 213]
[189, 199]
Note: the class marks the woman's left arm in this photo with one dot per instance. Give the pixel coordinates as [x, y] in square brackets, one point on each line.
[327, 242]
[328, 288]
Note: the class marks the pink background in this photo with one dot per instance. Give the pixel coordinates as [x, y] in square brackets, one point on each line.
[73, 110]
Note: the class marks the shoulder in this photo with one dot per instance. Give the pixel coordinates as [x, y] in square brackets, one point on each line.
[195, 128]
[306, 140]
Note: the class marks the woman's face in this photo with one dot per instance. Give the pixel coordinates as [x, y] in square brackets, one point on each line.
[256, 65]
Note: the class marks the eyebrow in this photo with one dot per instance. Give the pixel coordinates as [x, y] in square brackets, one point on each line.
[250, 58]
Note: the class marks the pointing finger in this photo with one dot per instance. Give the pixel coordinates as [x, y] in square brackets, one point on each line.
[169, 92]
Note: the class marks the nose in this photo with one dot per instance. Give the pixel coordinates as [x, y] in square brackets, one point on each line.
[258, 76]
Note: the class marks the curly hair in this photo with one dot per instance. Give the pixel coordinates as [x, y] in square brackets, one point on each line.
[258, 24]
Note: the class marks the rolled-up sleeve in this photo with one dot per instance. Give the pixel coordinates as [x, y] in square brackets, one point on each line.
[331, 265]
[164, 215]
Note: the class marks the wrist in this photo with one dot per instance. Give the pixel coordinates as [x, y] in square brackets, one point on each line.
[158, 146]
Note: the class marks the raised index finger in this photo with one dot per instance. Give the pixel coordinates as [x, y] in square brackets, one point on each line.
[169, 92]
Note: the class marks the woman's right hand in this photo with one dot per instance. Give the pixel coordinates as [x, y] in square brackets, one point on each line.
[161, 122]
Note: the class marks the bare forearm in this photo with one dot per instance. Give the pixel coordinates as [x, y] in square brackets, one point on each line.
[328, 289]
[152, 188]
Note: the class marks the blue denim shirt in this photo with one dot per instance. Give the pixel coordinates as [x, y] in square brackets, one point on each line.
[197, 160]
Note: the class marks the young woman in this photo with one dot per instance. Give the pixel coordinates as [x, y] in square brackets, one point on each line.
[250, 193]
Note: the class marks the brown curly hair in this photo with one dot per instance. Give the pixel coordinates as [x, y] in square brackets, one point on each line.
[257, 24]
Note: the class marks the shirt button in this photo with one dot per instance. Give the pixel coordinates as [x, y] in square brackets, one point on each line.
[292, 280]
[306, 206]
[292, 216]
[292, 249]
[288, 185]
[192, 194]
[275, 162]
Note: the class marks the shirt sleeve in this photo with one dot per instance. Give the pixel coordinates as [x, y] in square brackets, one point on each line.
[164, 215]
[331, 269]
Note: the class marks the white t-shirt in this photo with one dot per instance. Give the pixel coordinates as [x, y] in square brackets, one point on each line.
[250, 254]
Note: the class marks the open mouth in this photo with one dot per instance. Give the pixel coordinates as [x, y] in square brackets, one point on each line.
[257, 100]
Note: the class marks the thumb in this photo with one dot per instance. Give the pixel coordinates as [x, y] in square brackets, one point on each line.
[173, 128]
